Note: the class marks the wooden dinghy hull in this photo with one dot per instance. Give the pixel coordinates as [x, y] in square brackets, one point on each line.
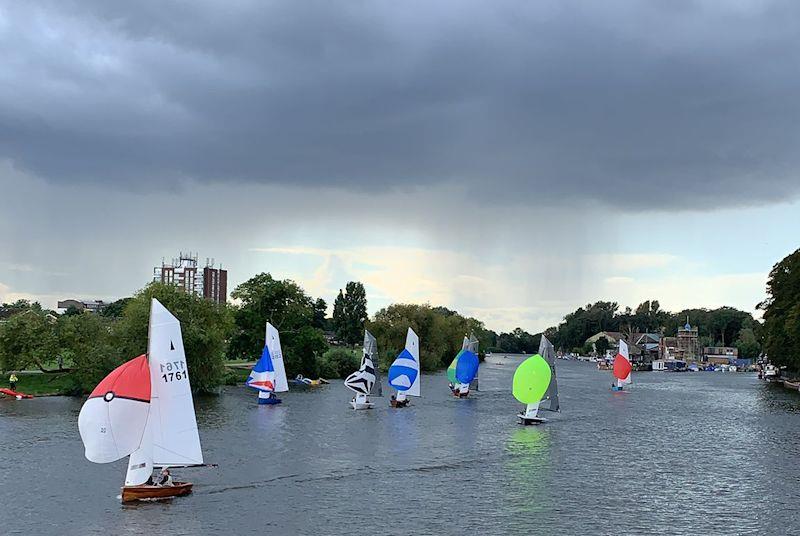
[143, 493]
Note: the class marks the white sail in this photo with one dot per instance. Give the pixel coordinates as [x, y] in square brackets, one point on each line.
[362, 380]
[172, 425]
[624, 352]
[412, 345]
[113, 419]
[275, 352]
[404, 374]
[371, 349]
[140, 464]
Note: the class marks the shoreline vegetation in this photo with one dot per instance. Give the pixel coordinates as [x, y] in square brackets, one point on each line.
[73, 351]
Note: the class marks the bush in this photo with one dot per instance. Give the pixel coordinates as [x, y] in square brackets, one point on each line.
[338, 363]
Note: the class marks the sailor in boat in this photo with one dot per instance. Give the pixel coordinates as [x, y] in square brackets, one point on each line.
[166, 478]
[397, 402]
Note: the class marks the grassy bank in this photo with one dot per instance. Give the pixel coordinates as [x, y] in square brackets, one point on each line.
[45, 384]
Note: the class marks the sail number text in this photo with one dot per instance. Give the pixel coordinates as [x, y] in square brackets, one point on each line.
[174, 371]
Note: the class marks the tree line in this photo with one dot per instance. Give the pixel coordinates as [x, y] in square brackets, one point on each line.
[781, 329]
[724, 326]
[88, 346]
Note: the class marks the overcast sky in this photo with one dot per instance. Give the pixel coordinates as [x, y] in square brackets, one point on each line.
[511, 160]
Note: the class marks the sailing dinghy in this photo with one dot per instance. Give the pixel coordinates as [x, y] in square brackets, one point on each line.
[269, 375]
[534, 385]
[404, 373]
[622, 367]
[144, 409]
[365, 379]
[463, 370]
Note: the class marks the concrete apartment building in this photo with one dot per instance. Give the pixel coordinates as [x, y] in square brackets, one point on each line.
[211, 282]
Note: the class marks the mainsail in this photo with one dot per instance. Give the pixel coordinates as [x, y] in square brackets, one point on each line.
[550, 400]
[274, 345]
[363, 380]
[404, 373]
[173, 424]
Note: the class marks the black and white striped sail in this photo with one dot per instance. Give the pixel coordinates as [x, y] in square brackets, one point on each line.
[363, 380]
[550, 400]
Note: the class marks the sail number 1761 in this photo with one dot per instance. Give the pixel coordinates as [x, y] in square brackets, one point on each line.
[174, 371]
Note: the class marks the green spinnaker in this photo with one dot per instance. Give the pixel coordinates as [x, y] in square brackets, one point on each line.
[451, 370]
[531, 380]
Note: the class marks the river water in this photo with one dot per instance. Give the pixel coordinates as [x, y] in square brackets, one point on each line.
[691, 453]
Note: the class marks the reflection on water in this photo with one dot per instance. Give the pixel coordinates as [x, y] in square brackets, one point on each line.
[528, 471]
[699, 453]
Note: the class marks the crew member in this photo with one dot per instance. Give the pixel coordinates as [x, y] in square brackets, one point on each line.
[166, 478]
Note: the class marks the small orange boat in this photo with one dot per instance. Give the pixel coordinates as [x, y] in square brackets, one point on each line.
[144, 492]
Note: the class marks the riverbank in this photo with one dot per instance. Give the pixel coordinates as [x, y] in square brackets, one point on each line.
[45, 384]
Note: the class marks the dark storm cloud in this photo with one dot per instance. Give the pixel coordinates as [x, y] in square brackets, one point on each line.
[617, 102]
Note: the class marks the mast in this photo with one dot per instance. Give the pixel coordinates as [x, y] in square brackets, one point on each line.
[176, 440]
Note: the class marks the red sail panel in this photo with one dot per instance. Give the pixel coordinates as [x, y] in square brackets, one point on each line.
[130, 380]
[622, 367]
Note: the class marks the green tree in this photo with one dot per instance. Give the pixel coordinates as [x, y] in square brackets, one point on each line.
[747, 344]
[287, 307]
[206, 327]
[86, 342]
[115, 308]
[338, 320]
[781, 329]
[601, 345]
[28, 339]
[339, 363]
[320, 310]
[350, 313]
[441, 333]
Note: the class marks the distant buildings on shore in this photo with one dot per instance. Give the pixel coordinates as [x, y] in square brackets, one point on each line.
[211, 282]
[645, 348]
[84, 306]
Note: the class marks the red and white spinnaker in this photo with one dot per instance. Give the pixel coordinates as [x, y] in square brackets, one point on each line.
[622, 365]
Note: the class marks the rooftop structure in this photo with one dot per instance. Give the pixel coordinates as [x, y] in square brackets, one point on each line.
[210, 283]
[92, 306]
